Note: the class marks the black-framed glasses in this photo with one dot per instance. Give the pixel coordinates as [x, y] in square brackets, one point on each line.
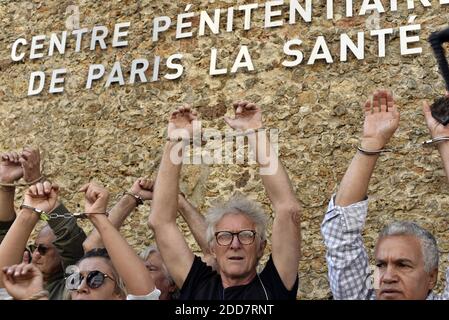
[41, 248]
[94, 279]
[225, 238]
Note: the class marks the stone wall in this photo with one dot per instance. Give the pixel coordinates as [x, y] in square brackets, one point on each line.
[115, 134]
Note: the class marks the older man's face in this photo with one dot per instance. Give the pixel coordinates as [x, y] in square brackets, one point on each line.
[400, 269]
[49, 262]
[237, 262]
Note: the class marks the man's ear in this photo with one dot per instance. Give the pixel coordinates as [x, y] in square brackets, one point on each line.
[212, 250]
[261, 249]
[433, 277]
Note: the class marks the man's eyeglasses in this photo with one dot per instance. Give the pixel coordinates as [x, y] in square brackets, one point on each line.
[225, 238]
[94, 280]
[41, 248]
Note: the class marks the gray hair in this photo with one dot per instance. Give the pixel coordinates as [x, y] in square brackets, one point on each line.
[144, 256]
[236, 204]
[148, 250]
[429, 246]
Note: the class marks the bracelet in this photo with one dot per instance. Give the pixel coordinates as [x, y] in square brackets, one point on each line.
[372, 152]
[430, 142]
[42, 214]
[136, 197]
[23, 184]
[39, 295]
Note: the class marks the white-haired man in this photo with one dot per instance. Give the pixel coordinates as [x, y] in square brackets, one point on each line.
[406, 255]
[236, 230]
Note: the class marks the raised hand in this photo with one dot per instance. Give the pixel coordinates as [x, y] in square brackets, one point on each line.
[96, 198]
[180, 123]
[247, 116]
[22, 280]
[10, 167]
[436, 129]
[31, 164]
[143, 188]
[42, 195]
[381, 120]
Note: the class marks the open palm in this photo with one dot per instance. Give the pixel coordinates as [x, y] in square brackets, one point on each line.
[381, 118]
[435, 127]
[247, 116]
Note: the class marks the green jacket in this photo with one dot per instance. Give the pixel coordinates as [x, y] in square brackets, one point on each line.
[69, 243]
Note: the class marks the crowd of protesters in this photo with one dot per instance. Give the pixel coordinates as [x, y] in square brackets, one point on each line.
[65, 263]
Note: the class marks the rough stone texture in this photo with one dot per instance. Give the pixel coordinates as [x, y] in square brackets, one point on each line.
[115, 134]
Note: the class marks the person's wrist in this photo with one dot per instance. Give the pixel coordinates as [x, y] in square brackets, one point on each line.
[97, 211]
[9, 189]
[134, 196]
[443, 145]
[28, 214]
[32, 177]
[6, 180]
[372, 144]
[97, 216]
[128, 199]
[39, 295]
[172, 143]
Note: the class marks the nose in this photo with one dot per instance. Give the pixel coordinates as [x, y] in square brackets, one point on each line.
[83, 287]
[235, 244]
[390, 274]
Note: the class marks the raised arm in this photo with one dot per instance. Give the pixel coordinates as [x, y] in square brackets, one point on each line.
[343, 223]
[381, 122]
[286, 236]
[143, 189]
[175, 252]
[129, 266]
[436, 130]
[10, 171]
[196, 222]
[41, 196]
[14, 166]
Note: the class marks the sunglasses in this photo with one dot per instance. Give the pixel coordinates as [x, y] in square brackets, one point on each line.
[41, 248]
[94, 280]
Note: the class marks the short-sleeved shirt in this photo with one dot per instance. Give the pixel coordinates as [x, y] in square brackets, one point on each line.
[203, 283]
[4, 227]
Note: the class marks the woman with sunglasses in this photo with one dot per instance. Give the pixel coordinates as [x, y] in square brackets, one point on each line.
[96, 276]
